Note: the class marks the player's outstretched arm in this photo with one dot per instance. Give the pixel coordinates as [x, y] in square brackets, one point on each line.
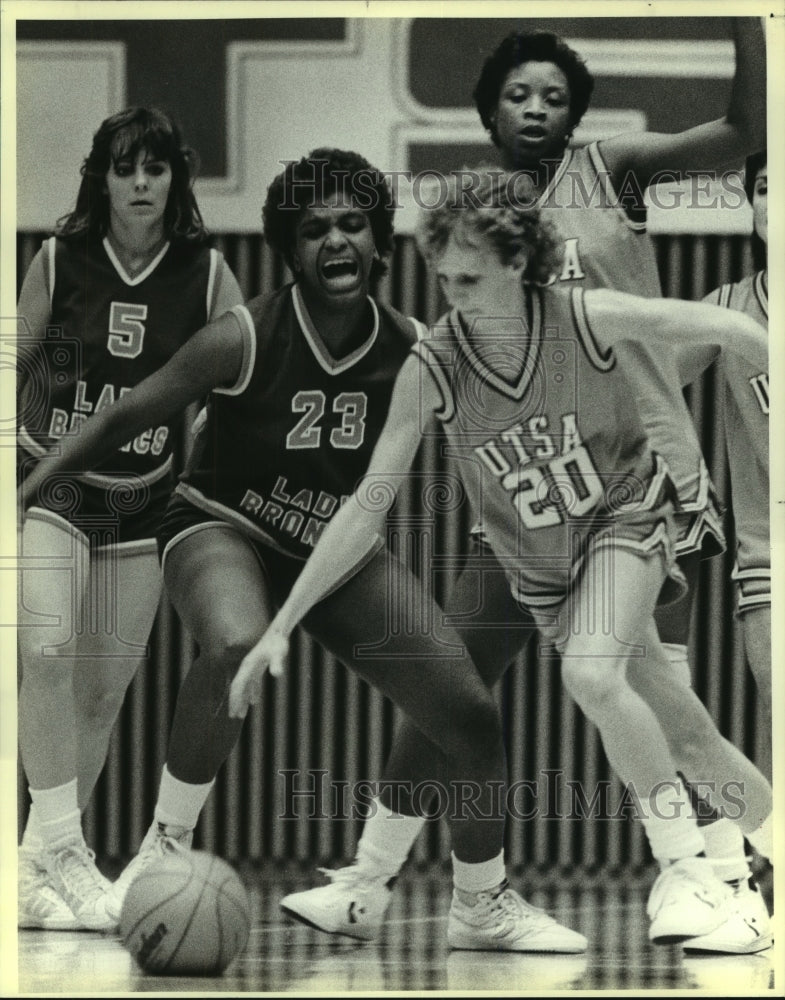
[675, 324]
[351, 538]
[211, 358]
[710, 146]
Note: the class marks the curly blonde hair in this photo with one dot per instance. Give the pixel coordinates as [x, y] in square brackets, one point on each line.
[502, 207]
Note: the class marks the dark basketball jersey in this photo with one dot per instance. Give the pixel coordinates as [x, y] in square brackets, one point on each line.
[604, 248]
[108, 332]
[282, 448]
[746, 420]
[547, 434]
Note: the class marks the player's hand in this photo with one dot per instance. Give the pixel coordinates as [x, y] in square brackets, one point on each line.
[246, 688]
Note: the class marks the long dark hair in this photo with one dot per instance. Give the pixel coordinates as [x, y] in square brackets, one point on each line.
[121, 137]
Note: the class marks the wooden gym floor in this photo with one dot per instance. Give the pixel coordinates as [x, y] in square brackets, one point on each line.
[412, 954]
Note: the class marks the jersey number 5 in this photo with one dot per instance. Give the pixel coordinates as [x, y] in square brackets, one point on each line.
[311, 403]
[126, 329]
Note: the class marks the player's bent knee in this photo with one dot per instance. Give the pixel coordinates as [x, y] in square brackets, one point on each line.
[593, 684]
[223, 659]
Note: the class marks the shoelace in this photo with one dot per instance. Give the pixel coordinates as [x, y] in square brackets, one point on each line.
[512, 909]
[78, 874]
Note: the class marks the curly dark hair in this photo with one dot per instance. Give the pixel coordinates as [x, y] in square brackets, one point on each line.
[317, 176]
[502, 207]
[531, 46]
[121, 137]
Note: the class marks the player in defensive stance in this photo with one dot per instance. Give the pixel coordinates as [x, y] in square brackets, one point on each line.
[531, 95]
[301, 382]
[745, 412]
[540, 415]
[124, 282]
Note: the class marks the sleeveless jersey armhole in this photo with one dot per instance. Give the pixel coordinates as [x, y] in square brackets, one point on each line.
[248, 362]
[603, 361]
[420, 329]
[433, 366]
[609, 191]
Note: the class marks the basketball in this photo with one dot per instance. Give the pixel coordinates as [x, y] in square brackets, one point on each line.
[186, 914]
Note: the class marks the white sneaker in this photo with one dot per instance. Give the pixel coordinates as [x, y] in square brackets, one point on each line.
[76, 879]
[158, 841]
[687, 900]
[506, 922]
[354, 903]
[746, 931]
[40, 906]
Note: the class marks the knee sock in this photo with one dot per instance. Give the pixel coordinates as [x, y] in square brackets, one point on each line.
[180, 803]
[57, 815]
[388, 838]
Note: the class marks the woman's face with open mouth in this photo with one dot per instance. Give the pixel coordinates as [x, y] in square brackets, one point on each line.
[334, 248]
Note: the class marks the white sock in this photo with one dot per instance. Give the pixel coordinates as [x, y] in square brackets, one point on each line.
[58, 818]
[180, 803]
[31, 837]
[670, 824]
[677, 657]
[387, 838]
[762, 839]
[480, 876]
[725, 848]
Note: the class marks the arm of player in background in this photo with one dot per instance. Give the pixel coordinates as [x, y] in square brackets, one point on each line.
[33, 315]
[228, 294]
[675, 323]
[212, 358]
[693, 360]
[353, 535]
[711, 146]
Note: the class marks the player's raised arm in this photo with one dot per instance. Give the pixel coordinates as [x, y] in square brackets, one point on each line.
[712, 145]
[673, 323]
[213, 357]
[352, 536]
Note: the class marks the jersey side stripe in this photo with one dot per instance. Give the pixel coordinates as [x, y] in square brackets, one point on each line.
[602, 362]
[723, 296]
[431, 362]
[759, 285]
[212, 284]
[49, 271]
[249, 352]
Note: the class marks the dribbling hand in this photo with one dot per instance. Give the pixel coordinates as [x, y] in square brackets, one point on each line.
[246, 688]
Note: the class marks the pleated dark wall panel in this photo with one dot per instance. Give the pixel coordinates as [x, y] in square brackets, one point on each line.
[322, 732]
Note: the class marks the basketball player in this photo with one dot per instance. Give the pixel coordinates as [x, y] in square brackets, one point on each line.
[301, 381]
[126, 280]
[571, 493]
[532, 93]
[745, 405]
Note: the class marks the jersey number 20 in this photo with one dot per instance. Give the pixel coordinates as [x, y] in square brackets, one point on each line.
[126, 329]
[311, 403]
